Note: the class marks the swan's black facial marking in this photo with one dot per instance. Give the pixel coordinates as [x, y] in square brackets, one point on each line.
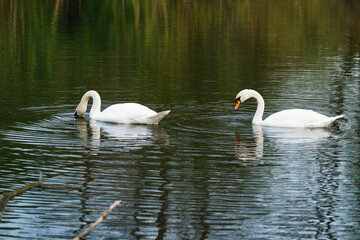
[237, 103]
[76, 115]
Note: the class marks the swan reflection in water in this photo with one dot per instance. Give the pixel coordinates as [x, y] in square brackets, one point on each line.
[297, 135]
[299, 138]
[121, 137]
[248, 151]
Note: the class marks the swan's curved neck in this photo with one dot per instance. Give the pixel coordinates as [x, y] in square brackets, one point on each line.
[260, 107]
[96, 104]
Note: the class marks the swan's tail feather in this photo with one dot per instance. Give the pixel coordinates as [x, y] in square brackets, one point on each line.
[340, 116]
[325, 123]
[157, 118]
[333, 119]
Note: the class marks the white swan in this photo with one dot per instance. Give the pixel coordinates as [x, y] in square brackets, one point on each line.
[287, 118]
[128, 113]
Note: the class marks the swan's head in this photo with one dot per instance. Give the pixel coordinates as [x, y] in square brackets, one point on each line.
[242, 96]
[80, 110]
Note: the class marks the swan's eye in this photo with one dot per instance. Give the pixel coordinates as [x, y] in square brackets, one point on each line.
[237, 99]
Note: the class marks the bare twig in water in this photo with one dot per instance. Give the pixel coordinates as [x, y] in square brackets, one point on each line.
[8, 195]
[98, 221]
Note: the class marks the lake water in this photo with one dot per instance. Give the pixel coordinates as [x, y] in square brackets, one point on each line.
[204, 172]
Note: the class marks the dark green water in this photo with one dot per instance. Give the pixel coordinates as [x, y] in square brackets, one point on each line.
[205, 172]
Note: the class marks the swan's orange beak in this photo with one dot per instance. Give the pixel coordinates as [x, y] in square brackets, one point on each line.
[237, 104]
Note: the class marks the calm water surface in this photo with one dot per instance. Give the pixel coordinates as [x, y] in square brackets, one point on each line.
[205, 172]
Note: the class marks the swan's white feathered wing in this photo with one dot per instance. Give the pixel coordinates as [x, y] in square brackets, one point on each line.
[299, 118]
[130, 113]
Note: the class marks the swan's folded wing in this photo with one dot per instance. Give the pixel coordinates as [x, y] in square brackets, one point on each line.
[296, 118]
